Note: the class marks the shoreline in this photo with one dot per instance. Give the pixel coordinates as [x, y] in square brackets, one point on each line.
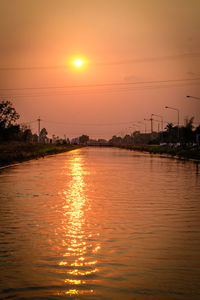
[188, 154]
[12, 154]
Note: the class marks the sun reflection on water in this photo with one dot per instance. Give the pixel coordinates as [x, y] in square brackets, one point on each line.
[72, 292]
[81, 246]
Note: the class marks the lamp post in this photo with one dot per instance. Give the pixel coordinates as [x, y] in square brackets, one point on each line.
[151, 122]
[192, 97]
[144, 123]
[38, 129]
[178, 116]
[161, 119]
[151, 119]
[198, 135]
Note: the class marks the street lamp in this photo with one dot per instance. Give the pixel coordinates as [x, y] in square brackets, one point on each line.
[135, 126]
[178, 116]
[193, 97]
[151, 119]
[151, 122]
[144, 123]
[161, 119]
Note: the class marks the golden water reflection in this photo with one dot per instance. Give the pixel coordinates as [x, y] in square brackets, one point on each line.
[81, 245]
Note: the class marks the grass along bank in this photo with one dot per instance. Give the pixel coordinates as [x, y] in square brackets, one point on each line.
[179, 152]
[15, 152]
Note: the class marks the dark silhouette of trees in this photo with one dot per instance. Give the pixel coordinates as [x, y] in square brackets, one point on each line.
[169, 127]
[197, 135]
[170, 135]
[128, 139]
[8, 114]
[188, 136]
[186, 132]
[115, 140]
[43, 135]
[83, 139]
[35, 138]
[9, 131]
[27, 135]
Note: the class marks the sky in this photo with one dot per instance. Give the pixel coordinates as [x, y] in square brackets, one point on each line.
[138, 57]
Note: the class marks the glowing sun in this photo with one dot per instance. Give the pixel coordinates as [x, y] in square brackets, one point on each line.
[78, 62]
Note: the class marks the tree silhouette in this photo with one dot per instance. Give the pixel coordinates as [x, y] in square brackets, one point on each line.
[8, 114]
[43, 135]
[169, 127]
[170, 136]
[83, 139]
[187, 133]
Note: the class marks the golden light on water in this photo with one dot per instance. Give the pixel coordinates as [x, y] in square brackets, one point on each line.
[75, 281]
[79, 259]
[73, 292]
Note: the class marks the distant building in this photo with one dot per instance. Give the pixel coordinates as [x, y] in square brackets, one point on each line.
[67, 141]
[75, 141]
[99, 142]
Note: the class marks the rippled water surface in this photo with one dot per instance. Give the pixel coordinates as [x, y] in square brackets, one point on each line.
[100, 223]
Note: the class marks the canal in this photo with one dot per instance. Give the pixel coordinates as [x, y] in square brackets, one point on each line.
[100, 223]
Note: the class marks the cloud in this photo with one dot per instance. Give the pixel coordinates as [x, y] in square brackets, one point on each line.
[193, 73]
[131, 78]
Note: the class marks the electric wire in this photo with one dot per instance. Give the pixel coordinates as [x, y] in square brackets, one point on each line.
[102, 91]
[100, 84]
[111, 63]
[142, 84]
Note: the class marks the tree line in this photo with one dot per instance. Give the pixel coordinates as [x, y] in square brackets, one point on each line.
[186, 135]
[10, 131]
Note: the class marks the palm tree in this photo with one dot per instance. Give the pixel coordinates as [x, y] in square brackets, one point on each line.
[187, 133]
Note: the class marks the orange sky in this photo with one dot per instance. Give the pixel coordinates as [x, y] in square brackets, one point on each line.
[118, 39]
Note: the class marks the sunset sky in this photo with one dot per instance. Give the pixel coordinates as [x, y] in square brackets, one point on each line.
[138, 56]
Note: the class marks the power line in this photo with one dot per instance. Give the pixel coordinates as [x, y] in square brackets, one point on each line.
[89, 124]
[78, 124]
[101, 90]
[101, 84]
[151, 59]
[122, 62]
[27, 122]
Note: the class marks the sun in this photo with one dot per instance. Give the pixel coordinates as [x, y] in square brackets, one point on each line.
[78, 62]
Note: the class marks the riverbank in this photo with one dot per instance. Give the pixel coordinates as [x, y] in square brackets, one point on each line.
[179, 152]
[11, 153]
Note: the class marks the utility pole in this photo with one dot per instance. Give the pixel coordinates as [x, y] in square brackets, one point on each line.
[38, 129]
[161, 119]
[178, 118]
[151, 119]
[145, 129]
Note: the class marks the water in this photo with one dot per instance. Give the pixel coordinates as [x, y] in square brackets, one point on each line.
[100, 223]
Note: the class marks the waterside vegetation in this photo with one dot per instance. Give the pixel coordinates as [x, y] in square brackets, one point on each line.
[176, 141]
[11, 153]
[18, 143]
[178, 152]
